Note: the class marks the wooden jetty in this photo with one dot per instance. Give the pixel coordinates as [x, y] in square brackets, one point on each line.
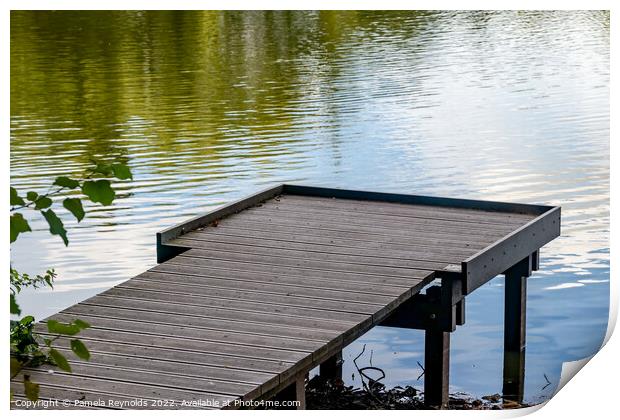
[246, 299]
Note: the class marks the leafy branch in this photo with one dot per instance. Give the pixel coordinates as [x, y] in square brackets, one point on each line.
[29, 349]
[92, 185]
[26, 351]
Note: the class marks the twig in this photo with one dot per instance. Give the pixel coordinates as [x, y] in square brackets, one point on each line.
[423, 371]
[372, 368]
[357, 367]
[367, 388]
[87, 176]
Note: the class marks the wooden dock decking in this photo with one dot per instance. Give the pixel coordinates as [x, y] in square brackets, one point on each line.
[247, 299]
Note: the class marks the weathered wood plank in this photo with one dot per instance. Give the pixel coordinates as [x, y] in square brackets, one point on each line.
[224, 314]
[452, 240]
[173, 380]
[442, 202]
[194, 344]
[125, 390]
[379, 207]
[201, 377]
[298, 263]
[391, 220]
[368, 242]
[164, 282]
[329, 222]
[196, 294]
[206, 321]
[219, 212]
[305, 259]
[207, 249]
[151, 322]
[206, 275]
[160, 371]
[343, 220]
[421, 253]
[201, 305]
[241, 369]
[316, 273]
[409, 199]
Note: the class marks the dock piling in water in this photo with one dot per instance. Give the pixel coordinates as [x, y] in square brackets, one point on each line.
[515, 297]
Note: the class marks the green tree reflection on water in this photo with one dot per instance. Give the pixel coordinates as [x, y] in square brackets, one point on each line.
[169, 75]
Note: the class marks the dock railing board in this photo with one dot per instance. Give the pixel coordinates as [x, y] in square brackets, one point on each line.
[248, 298]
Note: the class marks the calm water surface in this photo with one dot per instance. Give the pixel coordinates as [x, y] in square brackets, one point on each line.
[207, 107]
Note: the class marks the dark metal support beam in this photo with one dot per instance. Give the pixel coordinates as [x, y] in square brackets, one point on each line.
[514, 328]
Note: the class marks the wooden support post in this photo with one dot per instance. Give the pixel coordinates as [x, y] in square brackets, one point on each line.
[536, 260]
[436, 367]
[514, 328]
[437, 345]
[438, 312]
[460, 312]
[300, 390]
[294, 392]
[514, 376]
[332, 367]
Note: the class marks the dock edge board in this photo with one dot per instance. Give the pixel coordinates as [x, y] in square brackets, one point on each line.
[501, 255]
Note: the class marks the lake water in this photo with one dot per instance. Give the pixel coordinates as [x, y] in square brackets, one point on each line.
[208, 106]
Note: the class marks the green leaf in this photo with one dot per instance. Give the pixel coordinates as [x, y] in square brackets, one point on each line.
[16, 200]
[31, 389]
[103, 169]
[66, 182]
[80, 349]
[56, 226]
[16, 366]
[74, 205]
[42, 203]
[32, 195]
[81, 324]
[56, 327]
[15, 310]
[121, 171]
[28, 319]
[18, 225]
[99, 191]
[60, 360]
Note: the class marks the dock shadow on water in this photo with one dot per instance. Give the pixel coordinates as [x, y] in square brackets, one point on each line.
[208, 106]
